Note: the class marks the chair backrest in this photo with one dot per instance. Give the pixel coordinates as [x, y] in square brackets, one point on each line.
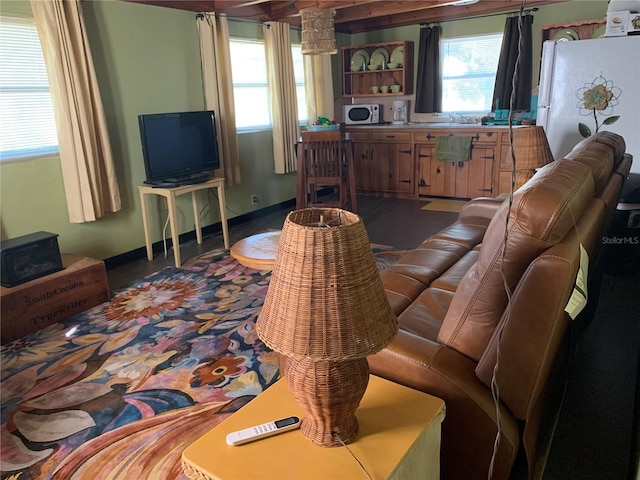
[322, 155]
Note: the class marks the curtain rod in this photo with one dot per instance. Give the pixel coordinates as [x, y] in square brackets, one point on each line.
[525, 12]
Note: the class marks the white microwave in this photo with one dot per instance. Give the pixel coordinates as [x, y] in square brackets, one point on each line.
[364, 113]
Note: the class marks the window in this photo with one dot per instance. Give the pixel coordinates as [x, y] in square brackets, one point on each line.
[27, 124]
[250, 88]
[298, 71]
[469, 67]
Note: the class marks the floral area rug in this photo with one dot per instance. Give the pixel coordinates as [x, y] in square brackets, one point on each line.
[120, 390]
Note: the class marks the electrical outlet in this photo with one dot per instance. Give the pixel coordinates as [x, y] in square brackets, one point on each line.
[254, 200]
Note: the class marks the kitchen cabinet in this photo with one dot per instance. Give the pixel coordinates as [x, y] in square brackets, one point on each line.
[358, 83]
[384, 163]
[401, 162]
[473, 178]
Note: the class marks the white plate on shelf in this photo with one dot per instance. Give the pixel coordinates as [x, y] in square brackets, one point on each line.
[566, 35]
[379, 57]
[357, 61]
[363, 53]
[397, 56]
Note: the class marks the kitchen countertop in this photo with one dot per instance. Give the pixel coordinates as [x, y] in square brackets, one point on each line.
[414, 126]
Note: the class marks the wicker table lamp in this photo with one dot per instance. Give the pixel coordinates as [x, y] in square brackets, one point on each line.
[326, 310]
[531, 150]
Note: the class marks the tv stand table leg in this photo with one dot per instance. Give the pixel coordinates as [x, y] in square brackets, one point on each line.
[173, 223]
[222, 203]
[170, 194]
[145, 224]
[196, 216]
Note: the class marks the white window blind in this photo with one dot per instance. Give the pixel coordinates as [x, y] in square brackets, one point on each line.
[250, 88]
[469, 66]
[27, 124]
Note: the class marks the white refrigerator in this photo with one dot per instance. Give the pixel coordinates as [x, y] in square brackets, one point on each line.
[590, 82]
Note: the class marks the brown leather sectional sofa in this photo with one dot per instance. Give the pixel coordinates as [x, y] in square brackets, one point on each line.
[456, 318]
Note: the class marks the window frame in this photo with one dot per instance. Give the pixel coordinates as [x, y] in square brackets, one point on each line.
[443, 43]
[27, 85]
[269, 126]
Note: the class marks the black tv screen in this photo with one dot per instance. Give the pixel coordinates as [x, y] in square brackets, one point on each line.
[178, 147]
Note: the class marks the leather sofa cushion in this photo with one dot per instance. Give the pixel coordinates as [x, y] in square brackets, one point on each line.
[614, 141]
[450, 279]
[599, 158]
[467, 231]
[543, 211]
[424, 316]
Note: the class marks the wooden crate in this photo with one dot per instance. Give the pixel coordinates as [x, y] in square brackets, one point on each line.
[46, 300]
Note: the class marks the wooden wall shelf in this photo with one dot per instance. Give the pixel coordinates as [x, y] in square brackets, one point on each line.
[359, 83]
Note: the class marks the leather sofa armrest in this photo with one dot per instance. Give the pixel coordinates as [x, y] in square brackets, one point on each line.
[427, 366]
[469, 427]
[484, 207]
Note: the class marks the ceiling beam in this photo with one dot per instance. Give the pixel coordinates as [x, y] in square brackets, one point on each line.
[352, 16]
[443, 13]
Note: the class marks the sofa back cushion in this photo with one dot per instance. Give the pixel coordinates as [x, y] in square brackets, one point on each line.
[598, 157]
[543, 211]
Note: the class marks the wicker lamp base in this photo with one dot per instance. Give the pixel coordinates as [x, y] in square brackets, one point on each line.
[328, 393]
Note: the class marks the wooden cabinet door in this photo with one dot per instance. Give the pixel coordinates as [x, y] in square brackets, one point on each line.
[402, 168]
[392, 167]
[434, 177]
[361, 164]
[474, 178]
[448, 179]
[379, 172]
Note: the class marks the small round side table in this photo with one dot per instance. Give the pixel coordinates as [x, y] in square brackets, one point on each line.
[257, 251]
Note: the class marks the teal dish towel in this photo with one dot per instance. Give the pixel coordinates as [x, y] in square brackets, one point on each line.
[453, 148]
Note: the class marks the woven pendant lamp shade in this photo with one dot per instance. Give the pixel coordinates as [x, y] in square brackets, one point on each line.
[318, 33]
[326, 310]
[531, 151]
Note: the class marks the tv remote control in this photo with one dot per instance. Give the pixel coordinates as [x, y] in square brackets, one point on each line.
[261, 431]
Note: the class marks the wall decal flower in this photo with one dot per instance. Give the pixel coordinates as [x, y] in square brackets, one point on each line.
[597, 99]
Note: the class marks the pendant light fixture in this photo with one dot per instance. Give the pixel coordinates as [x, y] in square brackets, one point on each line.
[318, 33]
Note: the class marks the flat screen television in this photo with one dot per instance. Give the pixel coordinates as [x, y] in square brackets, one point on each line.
[179, 148]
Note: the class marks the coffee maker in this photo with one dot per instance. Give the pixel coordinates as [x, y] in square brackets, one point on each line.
[400, 112]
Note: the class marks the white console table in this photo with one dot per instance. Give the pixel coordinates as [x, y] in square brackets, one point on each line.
[170, 194]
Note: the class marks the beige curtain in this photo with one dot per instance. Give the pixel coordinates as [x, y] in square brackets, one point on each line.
[88, 171]
[215, 57]
[282, 95]
[318, 85]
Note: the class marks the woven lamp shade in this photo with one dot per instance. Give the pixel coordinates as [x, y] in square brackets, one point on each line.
[531, 151]
[318, 33]
[325, 299]
[326, 310]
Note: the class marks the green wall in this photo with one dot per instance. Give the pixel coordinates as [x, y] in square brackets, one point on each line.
[147, 60]
[546, 15]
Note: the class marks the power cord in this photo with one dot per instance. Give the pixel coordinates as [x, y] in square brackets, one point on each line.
[337, 435]
[495, 388]
[211, 192]
[164, 236]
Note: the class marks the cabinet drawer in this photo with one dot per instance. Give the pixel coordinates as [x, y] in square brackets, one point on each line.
[424, 136]
[429, 136]
[487, 137]
[391, 136]
[359, 135]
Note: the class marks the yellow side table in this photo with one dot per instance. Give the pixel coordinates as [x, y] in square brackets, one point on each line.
[399, 438]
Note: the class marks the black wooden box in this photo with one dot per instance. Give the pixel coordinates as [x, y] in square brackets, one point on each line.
[28, 257]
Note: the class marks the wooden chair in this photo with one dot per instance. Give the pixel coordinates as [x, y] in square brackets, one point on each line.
[325, 159]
